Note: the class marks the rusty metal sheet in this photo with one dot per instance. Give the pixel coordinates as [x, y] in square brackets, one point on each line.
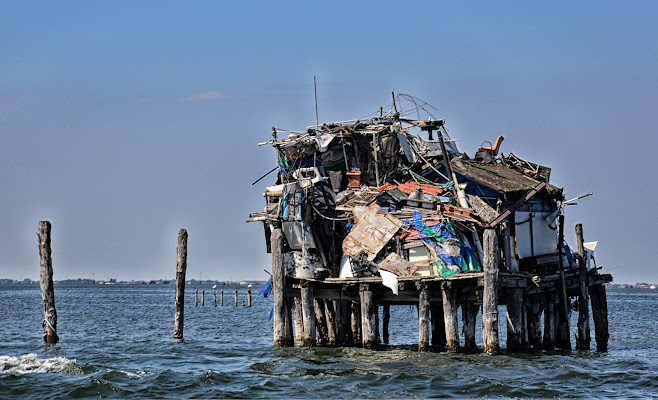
[370, 234]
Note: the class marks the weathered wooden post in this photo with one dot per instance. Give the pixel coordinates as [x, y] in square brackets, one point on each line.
[450, 316]
[386, 317]
[221, 297]
[214, 296]
[343, 319]
[355, 321]
[181, 268]
[278, 287]
[584, 338]
[320, 321]
[490, 294]
[308, 313]
[299, 320]
[550, 322]
[249, 295]
[600, 316]
[562, 335]
[514, 319]
[46, 283]
[368, 325]
[423, 316]
[534, 325]
[438, 325]
[288, 337]
[469, 313]
[236, 297]
[203, 298]
[196, 297]
[330, 315]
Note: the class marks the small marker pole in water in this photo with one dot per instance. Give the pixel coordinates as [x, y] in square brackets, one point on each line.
[214, 296]
[203, 298]
[221, 297]
[46, 283]
[181, 268]
[249, 295]
[196, 297]
[236, 297]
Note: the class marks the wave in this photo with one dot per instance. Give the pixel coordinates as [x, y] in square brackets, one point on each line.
[31, 364]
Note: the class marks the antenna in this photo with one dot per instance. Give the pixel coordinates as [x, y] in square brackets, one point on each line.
[315, 89]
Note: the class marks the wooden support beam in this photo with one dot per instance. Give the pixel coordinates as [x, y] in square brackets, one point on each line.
[490, 293]
[450, 316]
[562, 335]
[386, 317]
[309, 338]
[320, 321]
[514, 319]
[355, 321]
[600, 316]
[181, 268]
[278, 287]
[368, 309]
[550, 322]
[46, 283]
[343, 326]
[469, 313]
[288, 338]
[584, 339]
[299, 320]
[423, 317]
[534, 325]
[438, 325]
[330, 316]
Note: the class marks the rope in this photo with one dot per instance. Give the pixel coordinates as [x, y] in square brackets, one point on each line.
[45, 321]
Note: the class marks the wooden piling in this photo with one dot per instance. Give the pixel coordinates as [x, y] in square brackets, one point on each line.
[469, 313]
[214, 296]
[584, 338]
[249, 296]
[514, 319]
[368, 325]
[423, 317]
[490, 293]
[221, 297]
[278, 287]
[438, 325]
[320, 321]
[236, 297]
[299, 320]
[562, 335]
[386, 317]
[550, 322]
[288, 338]
[181, 268]
[309, 332]
[343, 323]
[203, 298]
[599, 301]
[46, 283]
[534, 325]
[355, 321]
[330, 315]
[450, 316]
[196, 297]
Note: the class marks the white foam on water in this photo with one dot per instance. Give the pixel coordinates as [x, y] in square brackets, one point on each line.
[31, 364]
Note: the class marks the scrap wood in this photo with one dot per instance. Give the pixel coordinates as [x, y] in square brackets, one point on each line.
[370, 233]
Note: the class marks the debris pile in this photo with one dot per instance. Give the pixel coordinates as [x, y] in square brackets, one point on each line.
[392, 196]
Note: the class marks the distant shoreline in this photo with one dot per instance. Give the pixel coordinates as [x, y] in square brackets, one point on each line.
[81, 281]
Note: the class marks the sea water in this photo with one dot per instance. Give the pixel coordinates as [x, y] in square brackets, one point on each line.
[116, 342]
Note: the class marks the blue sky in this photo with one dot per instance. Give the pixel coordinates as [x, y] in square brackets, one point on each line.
[122, 122]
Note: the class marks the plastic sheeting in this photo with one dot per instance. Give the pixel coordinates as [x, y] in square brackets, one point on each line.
[454, 252]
